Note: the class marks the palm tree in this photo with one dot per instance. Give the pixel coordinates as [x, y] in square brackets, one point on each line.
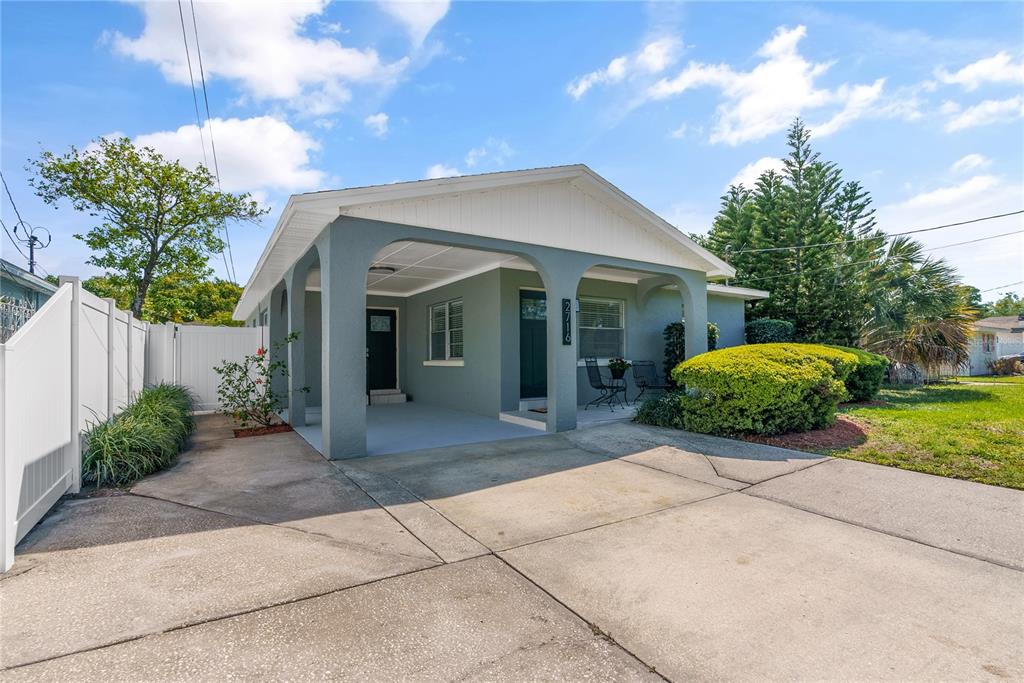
[918, 314]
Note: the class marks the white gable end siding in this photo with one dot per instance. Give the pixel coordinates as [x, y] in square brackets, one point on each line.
[561, 215]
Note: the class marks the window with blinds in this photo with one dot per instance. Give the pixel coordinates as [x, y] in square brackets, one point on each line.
[602, 328]
[446, 330]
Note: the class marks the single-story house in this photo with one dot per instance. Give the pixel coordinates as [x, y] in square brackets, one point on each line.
[480, 294]
[994, 337]
[21, 295]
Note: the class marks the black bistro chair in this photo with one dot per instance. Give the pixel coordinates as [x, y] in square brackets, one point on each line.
[609, 390]
[645, 376]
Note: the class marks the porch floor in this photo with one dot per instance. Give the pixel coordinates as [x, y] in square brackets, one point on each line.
[402, 427]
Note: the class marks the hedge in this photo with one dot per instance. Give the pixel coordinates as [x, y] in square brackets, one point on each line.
[866, 379]
[763, 388]
[147, 436]
[769, 331]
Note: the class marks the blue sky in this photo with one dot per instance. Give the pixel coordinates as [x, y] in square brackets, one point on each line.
[923, 103]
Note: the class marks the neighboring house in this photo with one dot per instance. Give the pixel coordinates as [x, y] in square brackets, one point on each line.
[995, 337]
[21, 295]
[478, 293]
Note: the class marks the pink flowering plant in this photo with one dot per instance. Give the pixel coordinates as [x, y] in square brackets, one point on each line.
[245, 386]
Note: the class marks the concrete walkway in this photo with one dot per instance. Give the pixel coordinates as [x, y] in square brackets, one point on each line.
[619, 552]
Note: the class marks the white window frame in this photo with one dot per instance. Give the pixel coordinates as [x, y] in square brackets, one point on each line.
[449, 359]
[579, 339]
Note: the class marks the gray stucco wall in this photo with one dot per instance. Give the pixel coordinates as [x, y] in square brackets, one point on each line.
[488, 382]
[728, 313]
[475, 386]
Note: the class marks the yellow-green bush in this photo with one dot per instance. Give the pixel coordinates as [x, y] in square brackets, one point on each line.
[763, 388]
[866, 379]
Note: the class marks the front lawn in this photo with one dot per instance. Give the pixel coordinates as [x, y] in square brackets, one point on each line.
[997, 379]
[965, 431]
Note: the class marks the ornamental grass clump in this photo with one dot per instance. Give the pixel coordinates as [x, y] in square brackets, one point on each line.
[146, 437]
[763, 388]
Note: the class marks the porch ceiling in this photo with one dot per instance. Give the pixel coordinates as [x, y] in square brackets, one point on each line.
[420, 267]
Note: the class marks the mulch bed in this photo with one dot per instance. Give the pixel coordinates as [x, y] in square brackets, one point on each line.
[845, 433]
[261, 431]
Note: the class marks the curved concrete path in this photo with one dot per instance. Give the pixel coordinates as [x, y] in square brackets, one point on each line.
[619, 552]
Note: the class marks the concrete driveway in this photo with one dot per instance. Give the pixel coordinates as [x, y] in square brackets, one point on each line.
[614, 553]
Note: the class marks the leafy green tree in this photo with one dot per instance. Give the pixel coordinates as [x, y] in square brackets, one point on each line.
[1008, 304]
[156, 217]
[762, 230]
[851, 287]
[172, 298]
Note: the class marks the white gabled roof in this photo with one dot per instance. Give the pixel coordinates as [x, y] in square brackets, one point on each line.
[566, 207]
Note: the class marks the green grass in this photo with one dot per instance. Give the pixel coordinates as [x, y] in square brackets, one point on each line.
[973, 432]
[994, 379]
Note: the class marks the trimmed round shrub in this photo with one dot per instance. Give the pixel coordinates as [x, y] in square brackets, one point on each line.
[763, 388]
[866, 379]
[769, 331]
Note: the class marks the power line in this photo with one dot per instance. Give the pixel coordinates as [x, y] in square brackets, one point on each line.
[992, 289]
[213, 145]
[195, 98]
[8, 190]
[743, 281]
[980, 239]
[878, 236]
[13, 241]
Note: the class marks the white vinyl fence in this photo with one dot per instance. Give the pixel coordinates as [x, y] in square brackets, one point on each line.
[78, 361]
[187, 354]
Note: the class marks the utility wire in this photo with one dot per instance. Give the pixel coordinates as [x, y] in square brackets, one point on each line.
[13, 241]
[195, 98]
[213, 145]
[1012, 284]
[195, 103]
[980, 239]
[8, 190]
[878, 236]
[743, 281]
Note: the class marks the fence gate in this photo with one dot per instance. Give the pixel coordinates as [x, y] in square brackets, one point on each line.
[187, 354]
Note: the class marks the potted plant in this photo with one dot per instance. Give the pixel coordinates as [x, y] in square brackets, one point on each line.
[618, 367]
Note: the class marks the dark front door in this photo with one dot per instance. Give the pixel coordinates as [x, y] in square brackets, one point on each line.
[533, 344]
[381, 347]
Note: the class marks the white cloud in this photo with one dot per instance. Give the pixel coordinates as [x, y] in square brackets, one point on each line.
[377, 124]
[764, 100]
[983, 264]
[654, 57]
[680, 132]
[418, 18]
[259, 46]
[953, 194]
[494, 151]
[748, 175]
[441, 171]
[983, 113]
[970, 162]
[254, 155]
[999, 68]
